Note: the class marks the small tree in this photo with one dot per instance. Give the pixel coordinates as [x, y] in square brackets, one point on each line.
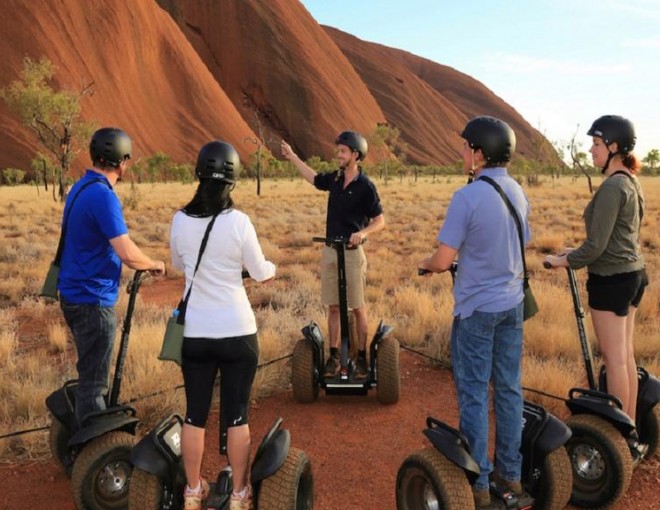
[13, 176]
[580, 161]
[52, 115]
[652, 159]
[389, 136]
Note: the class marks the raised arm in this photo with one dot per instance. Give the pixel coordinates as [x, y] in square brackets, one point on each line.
[288, 154]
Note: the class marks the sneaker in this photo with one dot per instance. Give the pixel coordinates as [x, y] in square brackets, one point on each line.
[331, 367]
[515, 490]
[238, 503]
[193, 499]
[361, 368]
[481, 498]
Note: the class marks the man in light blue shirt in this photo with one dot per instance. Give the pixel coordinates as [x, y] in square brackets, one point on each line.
[488, 296]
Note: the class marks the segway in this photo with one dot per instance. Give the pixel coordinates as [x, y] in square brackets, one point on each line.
[281, 475]
[598, 449]
[96, 456]
[309, 358]
[441, 476]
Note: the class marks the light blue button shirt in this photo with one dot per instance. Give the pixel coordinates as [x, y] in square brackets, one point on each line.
[479, 225]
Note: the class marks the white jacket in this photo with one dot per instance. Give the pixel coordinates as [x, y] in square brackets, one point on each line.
[218, 305]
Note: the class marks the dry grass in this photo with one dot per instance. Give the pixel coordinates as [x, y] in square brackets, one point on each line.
[36, 355]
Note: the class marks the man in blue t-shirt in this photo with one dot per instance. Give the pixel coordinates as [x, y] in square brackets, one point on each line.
[354, 212]
[486, 338]
[96, 243]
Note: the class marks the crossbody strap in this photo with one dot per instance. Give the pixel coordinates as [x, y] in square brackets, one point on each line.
[639, 198]
[516, 218]
[65, 221]
[183, 304]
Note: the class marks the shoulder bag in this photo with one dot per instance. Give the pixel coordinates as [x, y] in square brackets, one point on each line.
[529, 302]
[49, 288]
[173, 339]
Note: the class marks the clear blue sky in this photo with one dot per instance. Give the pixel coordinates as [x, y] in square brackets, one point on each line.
[559, 63]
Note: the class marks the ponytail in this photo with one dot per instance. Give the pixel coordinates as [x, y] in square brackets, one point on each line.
[631, 162]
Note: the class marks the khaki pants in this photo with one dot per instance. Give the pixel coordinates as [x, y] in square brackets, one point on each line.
[356, 277]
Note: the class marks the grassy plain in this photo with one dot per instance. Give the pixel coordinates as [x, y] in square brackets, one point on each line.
[36, 353]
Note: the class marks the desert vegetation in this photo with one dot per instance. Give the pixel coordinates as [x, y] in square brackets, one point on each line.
[37, 356]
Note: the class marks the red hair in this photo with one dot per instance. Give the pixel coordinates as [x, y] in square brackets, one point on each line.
[631, 162]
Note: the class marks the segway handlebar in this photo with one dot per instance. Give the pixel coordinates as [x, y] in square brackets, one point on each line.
[334, 241]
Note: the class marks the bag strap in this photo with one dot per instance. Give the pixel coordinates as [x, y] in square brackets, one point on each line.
[183, 304]
[639, 198]
[516, 218]
[60, 245]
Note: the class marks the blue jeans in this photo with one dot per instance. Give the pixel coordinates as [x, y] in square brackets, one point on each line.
[488, 346]
[93, 328]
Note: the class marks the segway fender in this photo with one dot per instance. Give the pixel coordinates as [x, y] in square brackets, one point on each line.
[156, 452]
[649, 392]
[453, 445]
[381, 332]
[271, 456]
[555, 433]
[105, 422]
[312, 333]
[61, 404]
[146, 457]
[602, 405]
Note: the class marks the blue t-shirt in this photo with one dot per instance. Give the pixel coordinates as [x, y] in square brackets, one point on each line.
[90, 268]
[479, 225]
[350, 209]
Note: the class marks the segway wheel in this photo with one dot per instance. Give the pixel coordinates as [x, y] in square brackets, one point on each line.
[102, 471]
[427, 479]
[649, 430]
[291, 487]
[147, 492]
[387, 366]
[304, 373]
[600, 460]
[58, 439]
[555, 481]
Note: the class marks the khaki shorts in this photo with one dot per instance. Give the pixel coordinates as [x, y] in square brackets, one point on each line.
[356, 277]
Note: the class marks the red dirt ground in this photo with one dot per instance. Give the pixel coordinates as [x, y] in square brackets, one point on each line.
[355, 444]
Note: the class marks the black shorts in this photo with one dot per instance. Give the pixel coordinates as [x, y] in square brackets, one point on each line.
[236, 358]
[616, 293]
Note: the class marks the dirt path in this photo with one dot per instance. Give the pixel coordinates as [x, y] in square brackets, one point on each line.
[355, 445]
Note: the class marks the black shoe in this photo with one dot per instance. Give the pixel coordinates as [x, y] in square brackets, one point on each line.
[361, 368]
[331, 367]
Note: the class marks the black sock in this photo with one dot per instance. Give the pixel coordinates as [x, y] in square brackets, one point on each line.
[362, 354]
[334, 352]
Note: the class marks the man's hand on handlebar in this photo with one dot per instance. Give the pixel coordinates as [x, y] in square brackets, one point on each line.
[356, 239]
[157, 269]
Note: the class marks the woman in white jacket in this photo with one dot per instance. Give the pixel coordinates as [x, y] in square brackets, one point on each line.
[220, 331]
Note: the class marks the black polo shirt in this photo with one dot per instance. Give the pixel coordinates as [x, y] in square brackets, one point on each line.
[350, 209]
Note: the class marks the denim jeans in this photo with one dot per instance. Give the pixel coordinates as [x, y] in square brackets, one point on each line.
[488, 346]
[93, 328]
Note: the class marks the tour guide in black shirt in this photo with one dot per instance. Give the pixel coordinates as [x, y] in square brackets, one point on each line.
[354, 212]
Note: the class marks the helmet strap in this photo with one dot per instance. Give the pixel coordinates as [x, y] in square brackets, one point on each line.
[610, 155]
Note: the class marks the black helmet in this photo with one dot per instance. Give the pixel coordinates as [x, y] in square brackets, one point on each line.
[614, 128]
[493, 136]
[355, 141]
[110, 146]
[218, 160]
